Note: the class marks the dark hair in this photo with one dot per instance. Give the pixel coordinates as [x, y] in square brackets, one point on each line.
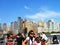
[30, 32]
[37, 39]
[43, 32]
[19, 34]
[55, 41]
[54, 37]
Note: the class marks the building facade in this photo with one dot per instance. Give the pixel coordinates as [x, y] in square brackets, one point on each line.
[20, 24]
[31, 26]
[5, 26]
[15, 31]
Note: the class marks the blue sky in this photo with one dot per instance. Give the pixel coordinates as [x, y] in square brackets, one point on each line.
[10, 10]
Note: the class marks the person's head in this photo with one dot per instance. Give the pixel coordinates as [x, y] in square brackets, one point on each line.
[31, 33]
[37, 39]
[42, 32]
[37, 35]
[11, 35]
[19, 34]
[55, 37]
[5, 36]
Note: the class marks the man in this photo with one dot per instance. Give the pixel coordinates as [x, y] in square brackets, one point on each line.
[20, 39]
[44, 39]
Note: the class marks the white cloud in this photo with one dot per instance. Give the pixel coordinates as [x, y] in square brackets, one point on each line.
[44, 14]
[26, 7]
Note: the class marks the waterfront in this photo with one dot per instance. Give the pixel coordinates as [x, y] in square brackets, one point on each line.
[51, 36]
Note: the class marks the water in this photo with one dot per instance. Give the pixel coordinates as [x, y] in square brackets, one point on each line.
[51, 36]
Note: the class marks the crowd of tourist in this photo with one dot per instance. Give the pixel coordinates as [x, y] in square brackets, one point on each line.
[22, 39]
[31, 39]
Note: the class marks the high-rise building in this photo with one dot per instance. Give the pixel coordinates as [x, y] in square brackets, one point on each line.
[5, 26]
[51, 25]
[29, 25]
[45, 27]
[24, 26]
[40, 26]
[24, 23]
[12, 26]
[0, 26]
[20, 24]
[8, 29]
[57, 27]
[34, 27]
[15, 27]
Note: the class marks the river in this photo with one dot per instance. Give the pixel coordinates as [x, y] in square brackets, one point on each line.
[51, 37]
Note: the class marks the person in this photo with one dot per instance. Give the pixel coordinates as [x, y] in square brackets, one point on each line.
[5, 39]
[30, 39]
[9, 39]
[44, 39]
[55, 41]
[37, 35]
[37, 41]
[19, 39]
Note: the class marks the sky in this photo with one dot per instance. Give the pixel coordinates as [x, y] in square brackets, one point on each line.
[33, 10]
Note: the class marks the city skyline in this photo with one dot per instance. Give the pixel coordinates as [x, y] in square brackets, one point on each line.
[21, 24]
[10, 10]
[36, 21]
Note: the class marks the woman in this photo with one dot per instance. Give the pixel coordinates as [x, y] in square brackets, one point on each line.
[30, 39]
[37, 41]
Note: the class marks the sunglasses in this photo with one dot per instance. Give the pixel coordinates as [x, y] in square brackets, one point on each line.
[32, 33]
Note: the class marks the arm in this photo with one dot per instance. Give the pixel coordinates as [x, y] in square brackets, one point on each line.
[24, 42]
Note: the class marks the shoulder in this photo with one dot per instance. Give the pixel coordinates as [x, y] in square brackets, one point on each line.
[27, 38]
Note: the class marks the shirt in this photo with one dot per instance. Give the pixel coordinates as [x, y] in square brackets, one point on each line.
[19, 40]
[44, 37]
[35, 43]
[30, 42]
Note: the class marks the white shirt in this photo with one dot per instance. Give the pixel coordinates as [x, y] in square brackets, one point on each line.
[30, 40]
[44, 37]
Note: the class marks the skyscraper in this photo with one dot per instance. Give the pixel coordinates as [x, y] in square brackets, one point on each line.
[40, 26]
[57, 27]
[34, 27]
[29, 25]
[5, 26]
[51, 25]
[15, 27]
[45, 27]
[12, 27]
[20, 24]
[24, 26]
[24, 23]
[0, 26]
